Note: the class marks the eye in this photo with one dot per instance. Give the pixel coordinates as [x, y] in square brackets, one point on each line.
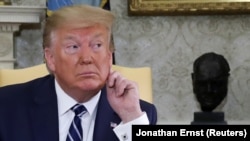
[96, 46]
[201, 83]
[72, 49]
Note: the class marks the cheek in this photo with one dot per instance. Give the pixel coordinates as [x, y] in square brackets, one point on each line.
[199, 89]
[64, 63]
[106, 71]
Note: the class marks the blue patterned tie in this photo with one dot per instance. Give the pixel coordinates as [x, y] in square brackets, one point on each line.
[75, 130]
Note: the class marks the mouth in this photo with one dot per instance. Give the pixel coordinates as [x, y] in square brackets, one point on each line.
[87, 74]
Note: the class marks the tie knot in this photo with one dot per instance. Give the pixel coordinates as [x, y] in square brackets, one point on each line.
[79, 110]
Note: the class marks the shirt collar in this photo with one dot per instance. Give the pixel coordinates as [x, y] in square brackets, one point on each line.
[65, 102]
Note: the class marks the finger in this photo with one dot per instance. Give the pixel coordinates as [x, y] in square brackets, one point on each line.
[121, 86]
[111, 79]
[117, 82]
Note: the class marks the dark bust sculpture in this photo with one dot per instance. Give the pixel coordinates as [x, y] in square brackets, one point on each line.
[210, 83]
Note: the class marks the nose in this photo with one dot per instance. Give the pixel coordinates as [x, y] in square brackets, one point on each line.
[85, 56]
[85, 60]
[208, 87]
[211, 88]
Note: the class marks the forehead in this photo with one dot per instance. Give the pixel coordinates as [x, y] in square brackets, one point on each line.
[83, 26]
[210, 70]
[95, 30]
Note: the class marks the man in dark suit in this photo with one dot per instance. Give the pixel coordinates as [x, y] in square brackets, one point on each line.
[78, 55]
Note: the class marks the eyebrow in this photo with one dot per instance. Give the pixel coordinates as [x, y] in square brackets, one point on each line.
[69, 36]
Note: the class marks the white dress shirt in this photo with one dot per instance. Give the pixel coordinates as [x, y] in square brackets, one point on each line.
[65, 102]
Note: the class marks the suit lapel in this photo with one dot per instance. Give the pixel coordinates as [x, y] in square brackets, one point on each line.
[44, 113]
[105, 121]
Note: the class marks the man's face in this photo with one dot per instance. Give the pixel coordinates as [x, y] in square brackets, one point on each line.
[80, 58]
[210, 85]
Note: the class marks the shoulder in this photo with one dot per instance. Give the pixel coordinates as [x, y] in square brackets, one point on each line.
[146, 106]
[151, 111]
[22, 89]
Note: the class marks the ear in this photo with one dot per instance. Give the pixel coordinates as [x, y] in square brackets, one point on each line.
[110, 58]
[193, 79]
[193, 82]
[49, 58]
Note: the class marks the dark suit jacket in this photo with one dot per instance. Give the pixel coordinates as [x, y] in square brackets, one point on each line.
[28, 112]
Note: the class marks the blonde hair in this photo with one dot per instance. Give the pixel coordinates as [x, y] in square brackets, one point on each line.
[77, 16]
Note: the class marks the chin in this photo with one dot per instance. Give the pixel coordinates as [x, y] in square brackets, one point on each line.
[91, 86]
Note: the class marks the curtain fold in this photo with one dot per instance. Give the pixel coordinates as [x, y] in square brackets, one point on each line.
[56, 4]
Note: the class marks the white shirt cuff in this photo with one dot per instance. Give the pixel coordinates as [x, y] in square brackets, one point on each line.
[124, 131]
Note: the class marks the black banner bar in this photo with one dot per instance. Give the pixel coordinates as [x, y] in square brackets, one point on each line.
[200, 132]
